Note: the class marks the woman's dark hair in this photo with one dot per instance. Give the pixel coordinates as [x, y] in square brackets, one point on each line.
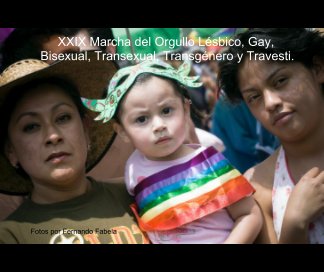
[18, 93]
[181, 91]
[300, 43]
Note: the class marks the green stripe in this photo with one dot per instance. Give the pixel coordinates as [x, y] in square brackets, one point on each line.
[186, 188]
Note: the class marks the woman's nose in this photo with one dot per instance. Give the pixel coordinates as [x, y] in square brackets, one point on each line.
[271, 100]
[53, 136]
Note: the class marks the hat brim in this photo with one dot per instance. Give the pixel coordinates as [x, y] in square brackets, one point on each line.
[91, 77]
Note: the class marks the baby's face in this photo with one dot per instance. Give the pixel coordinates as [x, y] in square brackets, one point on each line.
[154, 118]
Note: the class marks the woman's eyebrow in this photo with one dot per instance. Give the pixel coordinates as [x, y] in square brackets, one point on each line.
[32, 113]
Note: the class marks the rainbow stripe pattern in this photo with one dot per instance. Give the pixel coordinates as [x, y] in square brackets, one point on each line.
[183, 193]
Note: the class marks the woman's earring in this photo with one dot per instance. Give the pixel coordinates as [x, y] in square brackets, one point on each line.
[89, 147]
[16, 165]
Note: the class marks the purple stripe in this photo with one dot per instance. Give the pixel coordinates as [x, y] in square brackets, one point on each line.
[190, 175]
[173, 170]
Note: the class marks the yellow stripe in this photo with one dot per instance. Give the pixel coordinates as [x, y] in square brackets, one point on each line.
[212, 185]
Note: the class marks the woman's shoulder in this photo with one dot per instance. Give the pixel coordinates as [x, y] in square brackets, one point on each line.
[262, 174]
[114, 184]
[8, 204]
[117, 187]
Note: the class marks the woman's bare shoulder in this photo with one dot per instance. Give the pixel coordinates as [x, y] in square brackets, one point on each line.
[262, 174]
[261, 177]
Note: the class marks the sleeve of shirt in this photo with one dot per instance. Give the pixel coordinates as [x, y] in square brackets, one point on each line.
[130, 179]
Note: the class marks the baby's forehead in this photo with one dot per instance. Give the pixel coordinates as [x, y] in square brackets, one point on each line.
[153, 81]
[149, 78]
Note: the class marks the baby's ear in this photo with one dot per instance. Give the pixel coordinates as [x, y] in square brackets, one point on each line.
[119, 129]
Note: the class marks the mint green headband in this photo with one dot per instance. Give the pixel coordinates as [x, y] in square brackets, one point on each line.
[107, 107]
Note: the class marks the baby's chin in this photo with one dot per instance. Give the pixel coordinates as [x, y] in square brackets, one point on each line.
[169, 154]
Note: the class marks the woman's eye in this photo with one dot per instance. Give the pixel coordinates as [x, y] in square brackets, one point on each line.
[63, 118]
[167, 111]
[141, 120]
[252, 98]
[280, 81]
[30, 128]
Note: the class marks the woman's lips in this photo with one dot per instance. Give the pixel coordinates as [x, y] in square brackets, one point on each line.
[57, 157]
[281, 118]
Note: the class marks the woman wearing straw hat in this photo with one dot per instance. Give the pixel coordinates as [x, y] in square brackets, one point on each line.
[48, 143]
[25, 43]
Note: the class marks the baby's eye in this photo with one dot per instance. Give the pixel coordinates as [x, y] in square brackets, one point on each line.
[63, 118]
[141, 120]
[29, 128]
[167, 110]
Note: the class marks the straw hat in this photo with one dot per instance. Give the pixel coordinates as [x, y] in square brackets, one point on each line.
[90, 77]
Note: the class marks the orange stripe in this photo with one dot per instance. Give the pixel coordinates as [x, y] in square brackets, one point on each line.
[186, 212]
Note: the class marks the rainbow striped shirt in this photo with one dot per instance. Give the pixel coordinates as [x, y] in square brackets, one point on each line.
[188, 191]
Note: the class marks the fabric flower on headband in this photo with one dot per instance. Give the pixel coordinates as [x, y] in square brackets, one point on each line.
[107, 107]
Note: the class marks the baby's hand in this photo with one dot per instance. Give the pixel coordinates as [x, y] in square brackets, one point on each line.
[306, 201]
